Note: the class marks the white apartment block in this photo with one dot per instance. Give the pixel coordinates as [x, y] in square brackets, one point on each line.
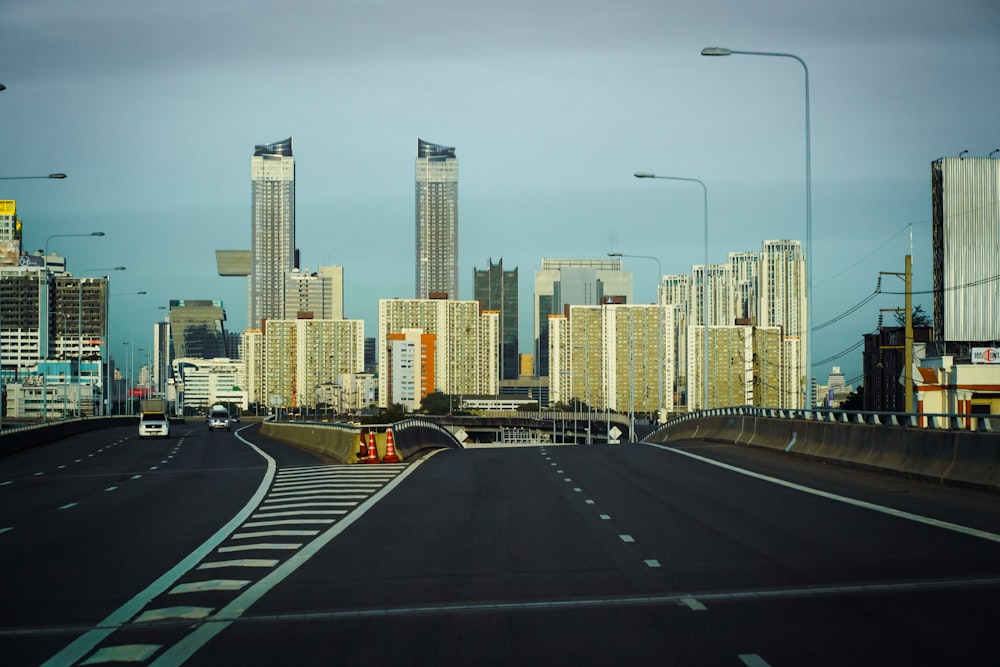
[315, 295]
[252, 357]
[466, 343]
[608, 356]
[300, 356]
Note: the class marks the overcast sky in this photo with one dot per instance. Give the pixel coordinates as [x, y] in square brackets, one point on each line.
[153, 111]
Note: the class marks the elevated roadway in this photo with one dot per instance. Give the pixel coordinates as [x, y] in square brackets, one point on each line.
[219, 548]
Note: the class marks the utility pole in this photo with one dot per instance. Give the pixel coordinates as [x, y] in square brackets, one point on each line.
[907, 276]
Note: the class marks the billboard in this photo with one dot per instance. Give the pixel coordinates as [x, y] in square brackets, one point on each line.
[986, 355]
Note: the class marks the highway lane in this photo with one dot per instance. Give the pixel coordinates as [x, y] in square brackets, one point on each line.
[594, 555]
[89, 521]
[530, 555]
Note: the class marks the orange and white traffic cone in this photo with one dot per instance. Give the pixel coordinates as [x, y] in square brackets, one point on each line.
[390, 448]
[362, 448]
[372, 449]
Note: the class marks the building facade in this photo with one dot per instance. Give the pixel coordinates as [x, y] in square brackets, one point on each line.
[315, 295]
[272, 252]
[197, 328]
[466, 341]
[578, 282]
[436, 221]
[496, 289]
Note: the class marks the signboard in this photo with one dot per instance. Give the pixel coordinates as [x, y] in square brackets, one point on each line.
[986, 355]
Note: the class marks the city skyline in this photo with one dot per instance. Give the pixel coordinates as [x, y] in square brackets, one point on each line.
[552, 119]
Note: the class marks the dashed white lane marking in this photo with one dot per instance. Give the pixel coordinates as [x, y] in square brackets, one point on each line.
[577, 489]
[567, 479]
[6, 529]
[209, 585]
[264, 546]
[111, 488]
[753, 660]
[185, 613]
[6, 483]
[241, 562]
[606, 517]
[589, 501]
[136, 476]
[626, 538]
[652, 562]
[123, 653]
[68, 506]
[692, 604]
[39, 474]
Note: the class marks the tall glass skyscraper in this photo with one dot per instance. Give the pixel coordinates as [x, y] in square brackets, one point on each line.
[272, 253]
[496, 289]
[436, 221]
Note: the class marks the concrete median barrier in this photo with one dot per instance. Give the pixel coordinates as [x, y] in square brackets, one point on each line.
[957, 457]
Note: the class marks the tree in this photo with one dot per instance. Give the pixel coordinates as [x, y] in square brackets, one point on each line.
[855, 400]
[920, 318]
[436, 403]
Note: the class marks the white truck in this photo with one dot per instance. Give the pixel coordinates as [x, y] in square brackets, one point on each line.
[153, 420]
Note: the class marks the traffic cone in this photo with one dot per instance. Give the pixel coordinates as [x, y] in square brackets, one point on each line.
[372, 450]
[362, 449]
[390, 448]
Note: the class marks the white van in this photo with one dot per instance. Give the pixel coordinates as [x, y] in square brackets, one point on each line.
[218, 419]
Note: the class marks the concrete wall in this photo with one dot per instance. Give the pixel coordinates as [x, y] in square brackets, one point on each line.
[957, 457]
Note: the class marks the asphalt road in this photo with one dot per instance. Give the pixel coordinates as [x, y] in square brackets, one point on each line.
[536, 556]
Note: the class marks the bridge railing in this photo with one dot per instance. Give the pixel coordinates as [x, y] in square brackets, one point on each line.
[942, 421]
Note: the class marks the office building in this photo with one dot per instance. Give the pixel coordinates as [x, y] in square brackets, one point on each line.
[578, 282]
[197, 328]
[272, 252]
[465, 360]
[496, 289]
[966, 261]
[315, 295]
[436, 221]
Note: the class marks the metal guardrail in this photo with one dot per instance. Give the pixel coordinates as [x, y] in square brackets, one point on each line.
[941, 421]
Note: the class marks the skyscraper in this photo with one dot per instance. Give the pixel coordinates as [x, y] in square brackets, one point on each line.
[272, 253]
[197, 329]
[496, 289]
[436, 221]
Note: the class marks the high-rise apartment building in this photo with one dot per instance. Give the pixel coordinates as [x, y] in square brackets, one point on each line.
[577, 282]
[466, 339]
[317, 296]
[436, 221]
[496, 289]
[302, 356]
[272, 252]
[608, 356]
[782, 303]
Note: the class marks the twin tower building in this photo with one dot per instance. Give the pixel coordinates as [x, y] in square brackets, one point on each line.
[273, 253]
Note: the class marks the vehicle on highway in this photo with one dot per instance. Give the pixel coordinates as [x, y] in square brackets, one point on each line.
[218, 419]
[154, 425]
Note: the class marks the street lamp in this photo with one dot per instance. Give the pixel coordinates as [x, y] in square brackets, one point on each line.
[807, 333]
[56, 236]
[659, 332]
[25, 178]
[704, 282]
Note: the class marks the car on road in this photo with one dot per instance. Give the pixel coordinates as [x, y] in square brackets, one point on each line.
[219, 419]
[154, 425]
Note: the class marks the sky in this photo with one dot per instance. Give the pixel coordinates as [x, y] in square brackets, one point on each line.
[153, 111]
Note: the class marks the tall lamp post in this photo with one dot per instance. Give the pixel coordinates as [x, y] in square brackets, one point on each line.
[807, 334]
[704, 286]
[25, 178]
[18, 178]
[659, 333]
[57, 236]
